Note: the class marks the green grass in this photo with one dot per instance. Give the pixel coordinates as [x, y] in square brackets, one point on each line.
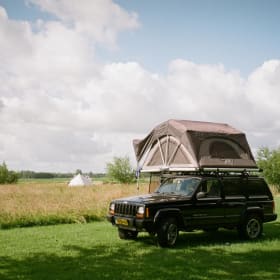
[94, 251]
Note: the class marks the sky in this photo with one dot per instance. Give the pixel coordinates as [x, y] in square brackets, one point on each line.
[81, 79]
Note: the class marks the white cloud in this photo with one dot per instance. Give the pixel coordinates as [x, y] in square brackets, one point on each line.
[263, 87]
[101, 20]
[262, 90]
[60, 110]
[205, 90]
[14, 39]
[1, 105]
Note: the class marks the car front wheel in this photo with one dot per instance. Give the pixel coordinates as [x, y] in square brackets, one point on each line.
[167, 233]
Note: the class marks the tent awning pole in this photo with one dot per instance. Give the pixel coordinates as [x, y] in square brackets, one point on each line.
[161, 153]
[173, 154]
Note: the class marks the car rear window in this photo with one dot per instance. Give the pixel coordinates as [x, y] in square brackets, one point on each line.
[257, 187]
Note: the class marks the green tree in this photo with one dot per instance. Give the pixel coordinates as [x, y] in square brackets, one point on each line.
[120, 170]
[269, 161]
[6, 176]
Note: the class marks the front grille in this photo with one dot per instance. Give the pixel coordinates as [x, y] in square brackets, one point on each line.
[125, 209]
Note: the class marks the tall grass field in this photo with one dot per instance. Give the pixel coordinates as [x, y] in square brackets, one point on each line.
[49, 202]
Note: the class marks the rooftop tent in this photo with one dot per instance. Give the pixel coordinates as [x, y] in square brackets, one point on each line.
[80, 180]
[182, 145]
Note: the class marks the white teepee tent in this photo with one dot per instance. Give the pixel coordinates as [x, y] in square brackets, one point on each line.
[80, 180]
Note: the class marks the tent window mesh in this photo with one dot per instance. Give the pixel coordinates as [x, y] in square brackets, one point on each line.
[219, 149]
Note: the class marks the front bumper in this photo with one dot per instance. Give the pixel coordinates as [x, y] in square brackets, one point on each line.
[130, 223]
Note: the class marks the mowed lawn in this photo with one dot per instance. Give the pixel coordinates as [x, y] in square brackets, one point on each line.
[94, 251]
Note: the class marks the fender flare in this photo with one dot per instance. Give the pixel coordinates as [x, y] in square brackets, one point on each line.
[169, 212]
[252, 210]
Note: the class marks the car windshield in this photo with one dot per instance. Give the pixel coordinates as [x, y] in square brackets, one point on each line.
[180, 186]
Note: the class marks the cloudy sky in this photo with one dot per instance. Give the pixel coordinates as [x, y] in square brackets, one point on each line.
[79, 80]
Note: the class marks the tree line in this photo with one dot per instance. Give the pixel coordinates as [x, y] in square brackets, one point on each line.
[10, 177]
[119, 170]
[27, 174]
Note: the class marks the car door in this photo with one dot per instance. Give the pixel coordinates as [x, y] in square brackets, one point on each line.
[208, 208]
[234, 199]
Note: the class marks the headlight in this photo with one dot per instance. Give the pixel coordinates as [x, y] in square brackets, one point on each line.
[140, 212]
[112, 209]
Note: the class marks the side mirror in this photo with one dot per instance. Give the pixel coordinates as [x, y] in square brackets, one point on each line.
[200, 195]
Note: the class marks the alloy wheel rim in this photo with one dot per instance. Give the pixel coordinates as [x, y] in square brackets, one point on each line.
[253, 228]
[172, 234]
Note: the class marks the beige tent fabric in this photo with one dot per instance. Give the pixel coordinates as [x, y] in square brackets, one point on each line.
[188, 145]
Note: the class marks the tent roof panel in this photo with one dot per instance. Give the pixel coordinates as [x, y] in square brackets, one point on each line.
[195, 137]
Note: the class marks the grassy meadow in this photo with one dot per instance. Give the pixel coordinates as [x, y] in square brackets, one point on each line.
[47, 202]
[94, 251]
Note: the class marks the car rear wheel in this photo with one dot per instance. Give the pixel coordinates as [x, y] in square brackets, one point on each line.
[167, 233]
[252, 228]
[127, 234]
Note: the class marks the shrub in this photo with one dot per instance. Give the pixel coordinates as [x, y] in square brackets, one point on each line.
[120, 170]
[6, 176]
[269, 161]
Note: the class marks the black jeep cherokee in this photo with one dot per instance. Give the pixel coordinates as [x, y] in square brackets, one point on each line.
[186, 203]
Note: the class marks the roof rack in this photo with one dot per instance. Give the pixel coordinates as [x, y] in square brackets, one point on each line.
[215, 172]
[208, 172]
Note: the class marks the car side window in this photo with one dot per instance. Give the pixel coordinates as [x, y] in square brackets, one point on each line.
[211, 188]
[234, 187]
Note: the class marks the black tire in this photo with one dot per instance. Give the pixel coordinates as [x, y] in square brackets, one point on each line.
[167, 232]
[127, 234]
[252, 227]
